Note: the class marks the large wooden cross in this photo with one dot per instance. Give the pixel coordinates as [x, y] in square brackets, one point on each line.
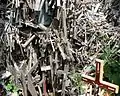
[98, 80]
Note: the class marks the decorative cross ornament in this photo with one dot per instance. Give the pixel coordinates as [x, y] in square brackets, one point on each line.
[98, 80]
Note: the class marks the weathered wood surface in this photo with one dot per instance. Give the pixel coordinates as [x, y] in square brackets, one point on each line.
[41, 41]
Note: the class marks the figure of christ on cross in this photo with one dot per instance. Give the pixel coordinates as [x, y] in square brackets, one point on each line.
[98, 80]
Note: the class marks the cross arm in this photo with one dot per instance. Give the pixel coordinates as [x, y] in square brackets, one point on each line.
[88, 79]
[103, 84]
[109, 86]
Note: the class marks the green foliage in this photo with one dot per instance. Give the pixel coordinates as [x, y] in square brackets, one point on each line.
[111, 55]
[77, 81]
[10, 86]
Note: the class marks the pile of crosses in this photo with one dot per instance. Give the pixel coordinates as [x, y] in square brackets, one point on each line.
[2, 23]
[47, 39]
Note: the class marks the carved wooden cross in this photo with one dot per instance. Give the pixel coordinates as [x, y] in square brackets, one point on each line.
[99, 78]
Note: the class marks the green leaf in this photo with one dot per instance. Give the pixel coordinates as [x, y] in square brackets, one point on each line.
[111, 59]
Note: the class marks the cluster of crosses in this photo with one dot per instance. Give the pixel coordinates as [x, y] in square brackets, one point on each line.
[98, 80]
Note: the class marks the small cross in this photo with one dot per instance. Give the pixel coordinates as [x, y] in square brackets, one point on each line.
[98, 80]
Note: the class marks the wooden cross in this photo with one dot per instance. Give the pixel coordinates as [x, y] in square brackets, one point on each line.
[99, 78]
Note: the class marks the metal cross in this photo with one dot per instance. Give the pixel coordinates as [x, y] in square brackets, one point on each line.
[98, 80]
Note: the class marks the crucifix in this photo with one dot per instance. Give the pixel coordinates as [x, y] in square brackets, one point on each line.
[98, 80]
